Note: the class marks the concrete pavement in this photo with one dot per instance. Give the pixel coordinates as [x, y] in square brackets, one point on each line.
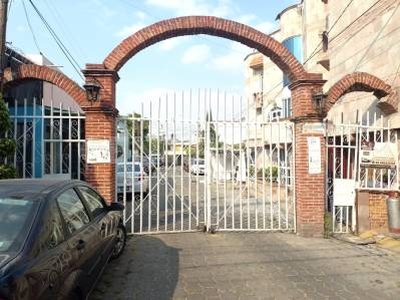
[249, 266]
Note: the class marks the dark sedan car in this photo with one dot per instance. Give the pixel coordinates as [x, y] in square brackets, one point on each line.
[55, 238]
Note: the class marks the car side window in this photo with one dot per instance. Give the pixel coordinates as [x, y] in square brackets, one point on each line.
[93, 200]
[72, 210]
[55, 235]
[52, 233]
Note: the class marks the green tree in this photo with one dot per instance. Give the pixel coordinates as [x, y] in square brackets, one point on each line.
[7, 145]
[138, 130]
[213, 136]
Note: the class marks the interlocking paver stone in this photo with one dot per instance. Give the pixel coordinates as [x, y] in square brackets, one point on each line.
[249, 266]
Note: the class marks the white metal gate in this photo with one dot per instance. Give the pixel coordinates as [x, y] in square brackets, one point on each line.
[50, 140]
[361, 156]
[204, 163]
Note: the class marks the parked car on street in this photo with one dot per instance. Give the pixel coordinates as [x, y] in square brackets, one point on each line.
[156, 161]
[56, 236]
[197, 166]
[132, 179]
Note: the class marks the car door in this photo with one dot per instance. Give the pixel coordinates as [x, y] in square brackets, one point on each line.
[83, 242]
[50, 260]
[103, 221]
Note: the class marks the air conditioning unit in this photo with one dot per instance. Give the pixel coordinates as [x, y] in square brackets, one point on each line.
[366, 155]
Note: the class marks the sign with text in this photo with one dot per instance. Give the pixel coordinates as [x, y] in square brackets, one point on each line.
[314, 155]
[98, 151]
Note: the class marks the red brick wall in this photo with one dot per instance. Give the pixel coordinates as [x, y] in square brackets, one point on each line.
[101, 125]
[361, 81]
[310, 188]
[378, 211]
[192, 25]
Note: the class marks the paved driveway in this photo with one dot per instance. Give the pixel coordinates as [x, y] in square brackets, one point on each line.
[248, 266]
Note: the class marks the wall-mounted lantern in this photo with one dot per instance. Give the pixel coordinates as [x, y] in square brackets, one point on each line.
[92, 87]
[318, 102]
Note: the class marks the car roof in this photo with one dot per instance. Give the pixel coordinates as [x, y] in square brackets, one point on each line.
[32, 189]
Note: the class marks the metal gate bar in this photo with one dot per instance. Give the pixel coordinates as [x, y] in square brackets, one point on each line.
[353, 154]
[219, 172]
[50, 139]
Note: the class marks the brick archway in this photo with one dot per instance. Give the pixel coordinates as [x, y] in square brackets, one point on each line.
[364, 82]
[192, 25]
[27, 72]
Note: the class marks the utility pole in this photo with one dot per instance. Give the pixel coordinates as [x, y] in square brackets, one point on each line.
[3, 25]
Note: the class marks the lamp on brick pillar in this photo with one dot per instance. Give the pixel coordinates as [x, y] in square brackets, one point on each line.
[318, 102]
[92, 87]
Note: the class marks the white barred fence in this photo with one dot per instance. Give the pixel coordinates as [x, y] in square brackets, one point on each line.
[50, 140]
[361, 156]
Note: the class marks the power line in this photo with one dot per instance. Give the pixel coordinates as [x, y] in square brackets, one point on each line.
[30, 27]
[66, 33]
[376, 38]
[62, 47]
[314, 52]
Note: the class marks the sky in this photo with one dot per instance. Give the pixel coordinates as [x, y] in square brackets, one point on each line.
[91, 29]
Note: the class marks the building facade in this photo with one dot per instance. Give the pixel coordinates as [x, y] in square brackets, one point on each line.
[335, 40]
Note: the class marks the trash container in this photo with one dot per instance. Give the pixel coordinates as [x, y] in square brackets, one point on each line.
[393, 209]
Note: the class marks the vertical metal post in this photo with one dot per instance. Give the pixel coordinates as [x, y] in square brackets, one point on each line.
[208, 162]
[3, 25]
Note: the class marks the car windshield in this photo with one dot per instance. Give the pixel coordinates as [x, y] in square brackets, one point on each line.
[15, 217]
[121, 168]
[199, 161]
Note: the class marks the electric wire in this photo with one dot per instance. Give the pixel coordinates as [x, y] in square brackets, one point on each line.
[64, 29]
[9, 7]
[30, 27]
[316, 50]
[62, 47]
[376, 37]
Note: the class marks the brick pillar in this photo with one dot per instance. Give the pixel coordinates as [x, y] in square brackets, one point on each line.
[310, 176]
[100, 127]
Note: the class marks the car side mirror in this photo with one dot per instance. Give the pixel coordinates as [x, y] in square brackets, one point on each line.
[115, 206]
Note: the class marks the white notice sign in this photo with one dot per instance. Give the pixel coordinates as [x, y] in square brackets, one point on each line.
[314, 155]
[98, 151]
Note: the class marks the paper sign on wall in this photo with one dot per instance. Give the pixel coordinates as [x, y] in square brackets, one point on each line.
[98, 151]
[314, 155]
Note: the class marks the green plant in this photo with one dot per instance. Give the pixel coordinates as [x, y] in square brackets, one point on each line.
[270, 173]
[328, 225]
[7, 145]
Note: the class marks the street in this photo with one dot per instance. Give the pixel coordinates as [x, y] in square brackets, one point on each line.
[248, 266]
[178, 200]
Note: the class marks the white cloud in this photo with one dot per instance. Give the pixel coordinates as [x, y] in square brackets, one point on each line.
[266, 27]
[22, 29]
[129, 30]
[168, 45]
[197, 54]
[254, 21]
[233, 60]
[194, 7]
[140, 15]
[127, 103]
[247, 19]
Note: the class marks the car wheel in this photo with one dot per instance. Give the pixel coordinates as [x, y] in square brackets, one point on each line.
[75, 295]
[138, 197]
[120, 242]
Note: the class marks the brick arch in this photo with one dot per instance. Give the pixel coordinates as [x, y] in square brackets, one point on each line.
[26, 72]
[363, 82]
[191, 25]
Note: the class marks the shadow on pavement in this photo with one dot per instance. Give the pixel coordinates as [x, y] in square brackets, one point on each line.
[148, 269]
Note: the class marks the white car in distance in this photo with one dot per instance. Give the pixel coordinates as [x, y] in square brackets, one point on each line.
[132, 179]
